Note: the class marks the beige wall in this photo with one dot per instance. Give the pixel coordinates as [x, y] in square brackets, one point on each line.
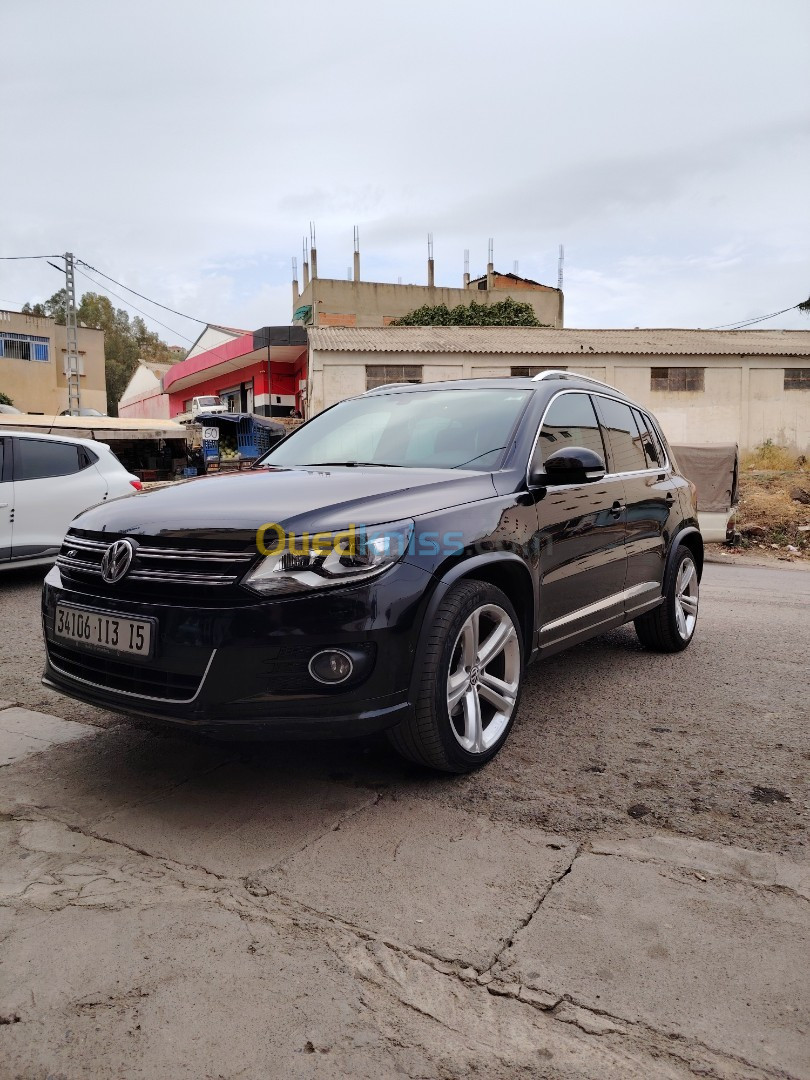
[743, 400]
[38, 386]
[369, 303]
[776, 413]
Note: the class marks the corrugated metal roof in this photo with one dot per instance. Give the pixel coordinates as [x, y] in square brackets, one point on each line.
[530, 340]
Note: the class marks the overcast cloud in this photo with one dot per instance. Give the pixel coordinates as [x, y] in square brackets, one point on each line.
[183, 147]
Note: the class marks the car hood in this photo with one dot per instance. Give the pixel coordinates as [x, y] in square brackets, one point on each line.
[299, 499]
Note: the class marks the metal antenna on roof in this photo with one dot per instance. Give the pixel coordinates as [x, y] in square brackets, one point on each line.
[515, 268]
[491, 264]
[431, 276]
[466, 267]
[560, 268]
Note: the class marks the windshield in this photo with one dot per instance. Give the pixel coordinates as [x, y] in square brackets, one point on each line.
[441, 429]
[209, 401]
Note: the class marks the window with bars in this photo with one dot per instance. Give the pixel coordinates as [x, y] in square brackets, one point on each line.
[797, 378]
[382, 374]
[530, 372]
[677, 378]
[24, 347]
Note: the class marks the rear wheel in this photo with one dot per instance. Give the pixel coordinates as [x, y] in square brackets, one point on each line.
[472, 677]
[670, 627]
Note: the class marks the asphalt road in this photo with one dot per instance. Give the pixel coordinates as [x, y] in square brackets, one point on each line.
[622, 893]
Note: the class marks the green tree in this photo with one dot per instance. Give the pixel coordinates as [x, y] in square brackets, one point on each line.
[507, 312]
[125, 339]
[5, 399]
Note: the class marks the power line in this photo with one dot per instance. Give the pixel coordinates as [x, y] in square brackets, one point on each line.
[16, 258]
[748, 322]
[148, 299]
[106, 288]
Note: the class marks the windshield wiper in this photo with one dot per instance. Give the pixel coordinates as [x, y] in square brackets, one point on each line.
[349, 464]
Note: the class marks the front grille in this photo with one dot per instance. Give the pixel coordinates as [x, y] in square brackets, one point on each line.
[159, 568]
[140, 680]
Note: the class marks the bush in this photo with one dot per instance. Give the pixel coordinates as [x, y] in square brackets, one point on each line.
[5, 399]
[507, 312]
[770, 456]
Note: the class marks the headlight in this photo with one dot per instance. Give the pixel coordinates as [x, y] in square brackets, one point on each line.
[320, 560]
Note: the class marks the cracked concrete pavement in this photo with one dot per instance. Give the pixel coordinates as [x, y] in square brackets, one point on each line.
[172, 907]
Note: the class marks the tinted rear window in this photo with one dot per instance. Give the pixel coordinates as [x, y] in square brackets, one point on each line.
[36, 459]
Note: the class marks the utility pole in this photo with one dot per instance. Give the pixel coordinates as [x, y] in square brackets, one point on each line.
[72, 336]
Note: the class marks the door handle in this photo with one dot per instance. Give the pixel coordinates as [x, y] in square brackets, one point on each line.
[617, 509]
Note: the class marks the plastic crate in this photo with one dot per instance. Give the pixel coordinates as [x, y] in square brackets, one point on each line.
[246, 438]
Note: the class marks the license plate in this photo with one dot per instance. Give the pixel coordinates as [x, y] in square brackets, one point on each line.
[97, 630]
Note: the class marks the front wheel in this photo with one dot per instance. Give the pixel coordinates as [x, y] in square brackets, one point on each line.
[472, 678]
[671, 626]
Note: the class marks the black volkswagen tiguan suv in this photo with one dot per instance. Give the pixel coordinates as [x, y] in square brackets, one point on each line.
[392, 565]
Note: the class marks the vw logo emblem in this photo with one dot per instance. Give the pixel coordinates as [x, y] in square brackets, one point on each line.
[116, 561]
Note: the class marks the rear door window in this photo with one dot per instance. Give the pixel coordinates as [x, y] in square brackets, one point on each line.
[35, 459]
[622, 436]
[649, 441]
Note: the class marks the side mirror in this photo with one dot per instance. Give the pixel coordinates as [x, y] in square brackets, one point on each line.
[571, 465]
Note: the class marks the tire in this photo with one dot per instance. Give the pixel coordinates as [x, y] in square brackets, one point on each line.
[464, 733]
[671, 626]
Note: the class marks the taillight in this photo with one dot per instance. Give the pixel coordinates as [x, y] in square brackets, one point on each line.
[137, 485]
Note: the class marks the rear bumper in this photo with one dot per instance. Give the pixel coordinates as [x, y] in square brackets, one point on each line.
[244, 669]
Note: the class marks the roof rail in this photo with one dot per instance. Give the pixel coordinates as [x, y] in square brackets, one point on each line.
[387, 386]
[561, 373]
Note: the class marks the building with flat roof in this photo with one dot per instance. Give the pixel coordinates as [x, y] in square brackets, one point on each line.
[332, 302]
[33, 351]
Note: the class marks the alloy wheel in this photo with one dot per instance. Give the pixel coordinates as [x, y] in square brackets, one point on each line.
[484, 678]
[686, 599]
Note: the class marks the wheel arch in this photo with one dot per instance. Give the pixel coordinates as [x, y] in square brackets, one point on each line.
[507, 572]
[690, 538]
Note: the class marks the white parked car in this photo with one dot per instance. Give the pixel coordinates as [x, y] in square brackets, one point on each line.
[45, 481]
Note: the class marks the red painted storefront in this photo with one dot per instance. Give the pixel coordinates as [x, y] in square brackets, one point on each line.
[264, 372]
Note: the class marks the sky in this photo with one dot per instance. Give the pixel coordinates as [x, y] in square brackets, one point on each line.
[184, 147]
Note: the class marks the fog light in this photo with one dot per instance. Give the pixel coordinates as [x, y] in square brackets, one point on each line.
[331, 667]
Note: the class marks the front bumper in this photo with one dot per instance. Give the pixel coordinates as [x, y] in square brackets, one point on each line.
[244, 668]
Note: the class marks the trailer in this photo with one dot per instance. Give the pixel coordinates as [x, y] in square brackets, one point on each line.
[714, 470]
[221, 441]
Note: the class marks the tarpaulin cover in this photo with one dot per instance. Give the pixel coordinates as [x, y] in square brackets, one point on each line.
[231, 418]
[713, 470]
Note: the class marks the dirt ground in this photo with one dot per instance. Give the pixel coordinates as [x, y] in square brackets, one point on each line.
[774, 511]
